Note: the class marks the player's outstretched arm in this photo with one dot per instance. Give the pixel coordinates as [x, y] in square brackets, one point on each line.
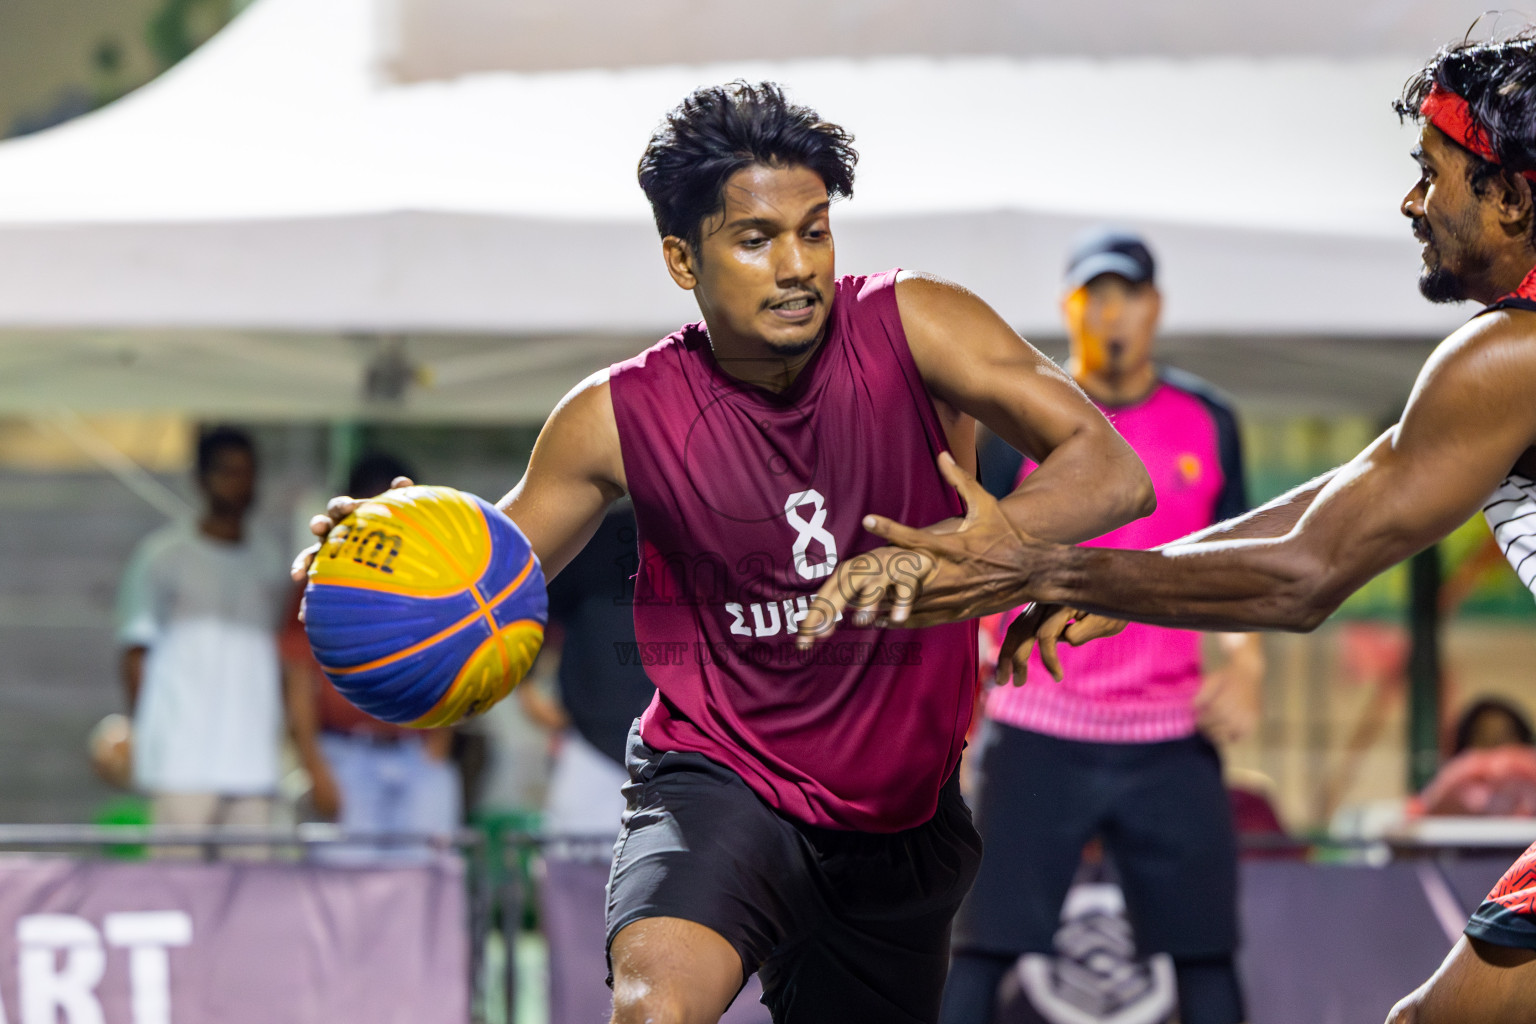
[576, 470]
[976, 367]
[1048, 625]
[1468, 421]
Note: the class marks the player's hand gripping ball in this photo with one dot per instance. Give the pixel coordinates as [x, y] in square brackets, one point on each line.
[425, 605]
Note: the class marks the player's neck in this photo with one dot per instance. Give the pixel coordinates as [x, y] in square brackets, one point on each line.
[1110, 387]
[1504, 276]
[759, 365]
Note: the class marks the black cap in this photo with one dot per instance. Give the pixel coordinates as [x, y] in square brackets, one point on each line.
[1110, 251]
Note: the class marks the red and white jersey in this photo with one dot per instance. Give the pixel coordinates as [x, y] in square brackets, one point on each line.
[1511, 510]
[1511, 515]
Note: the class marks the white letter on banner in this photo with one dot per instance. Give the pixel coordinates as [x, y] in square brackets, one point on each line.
[148, 935]
[47, 986]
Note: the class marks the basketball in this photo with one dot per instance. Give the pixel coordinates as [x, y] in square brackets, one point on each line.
[425, 605]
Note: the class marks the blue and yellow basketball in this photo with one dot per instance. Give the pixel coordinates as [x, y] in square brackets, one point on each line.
[425, 605]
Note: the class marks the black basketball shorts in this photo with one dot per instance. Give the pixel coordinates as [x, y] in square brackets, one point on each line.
[1164, 816]
[843, 927]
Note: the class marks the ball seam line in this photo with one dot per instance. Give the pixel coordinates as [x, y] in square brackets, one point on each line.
[435, 717]
[487, 609]
[446, 555]
[447, 631]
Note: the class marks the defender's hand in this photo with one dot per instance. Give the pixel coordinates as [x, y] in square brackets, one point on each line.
[336, 510]
[1048, 624]
[873, 587]
[950, 573]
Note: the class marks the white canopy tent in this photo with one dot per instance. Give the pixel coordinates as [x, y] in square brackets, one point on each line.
[250, 233]
[446, 38]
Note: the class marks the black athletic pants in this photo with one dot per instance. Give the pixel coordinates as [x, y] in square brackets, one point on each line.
[1162, 811]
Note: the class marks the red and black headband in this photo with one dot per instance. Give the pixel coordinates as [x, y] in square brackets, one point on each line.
[1450, 113]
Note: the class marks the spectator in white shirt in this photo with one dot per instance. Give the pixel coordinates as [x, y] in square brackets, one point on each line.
[197, 621]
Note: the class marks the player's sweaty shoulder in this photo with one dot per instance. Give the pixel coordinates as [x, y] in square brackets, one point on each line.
[1498, 350]
[1512, 340]
[583, 432]
[1469, 348]
[1481, 381]
[921, 297]
[946, 328]
[942, 320]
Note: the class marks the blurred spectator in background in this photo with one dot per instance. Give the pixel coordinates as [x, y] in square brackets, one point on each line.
[1122, 747]
[601, 689]
[1491, 723]
[197, 620]
[1492, 770]
[372, 777]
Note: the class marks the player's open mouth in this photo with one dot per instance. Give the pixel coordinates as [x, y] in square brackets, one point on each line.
[801, 307]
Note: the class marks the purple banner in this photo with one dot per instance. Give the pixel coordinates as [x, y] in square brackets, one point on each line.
[1336, 944]
[167, 942]
[1322, 944]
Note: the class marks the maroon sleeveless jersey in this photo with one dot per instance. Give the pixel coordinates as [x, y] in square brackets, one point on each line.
[746, 499]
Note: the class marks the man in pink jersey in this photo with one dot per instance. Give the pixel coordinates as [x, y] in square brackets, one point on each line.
[1120, 745]
[1466, 443]
[791, 813]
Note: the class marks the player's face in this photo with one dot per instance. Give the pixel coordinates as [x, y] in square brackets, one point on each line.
[230, 482]
[1111, 323]
[763, 274]
[1449, 219]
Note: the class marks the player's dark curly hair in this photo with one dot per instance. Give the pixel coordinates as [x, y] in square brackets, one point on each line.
[719, 129]
[1497, 78]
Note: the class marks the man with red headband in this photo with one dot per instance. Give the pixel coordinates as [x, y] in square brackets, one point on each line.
[1466, 443]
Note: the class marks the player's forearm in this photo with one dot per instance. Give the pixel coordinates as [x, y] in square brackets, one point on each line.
[1287, 565]
[1272, 519]
[1088, 486]
[1242, 585]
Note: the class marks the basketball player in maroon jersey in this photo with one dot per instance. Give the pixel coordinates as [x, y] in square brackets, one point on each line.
[795, 815]
[1466, 443]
